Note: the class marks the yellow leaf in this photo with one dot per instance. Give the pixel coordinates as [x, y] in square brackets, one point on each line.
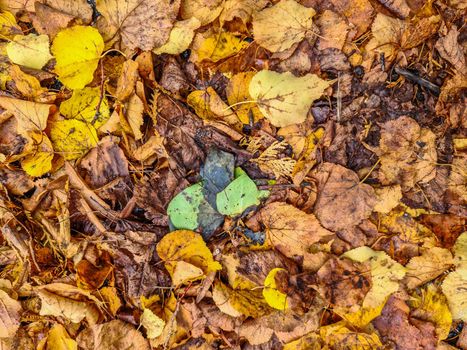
[279, 27]
[208, 105]
[216, 46]
[134, 114]
[283, 98]
[236, 303]
[271, 294]
[37, 164]
[426, 267]
[26, 84]
[205, 11]
[58, 339]
[338, 336]
[111, 299]
[180, 38]
[30, 116]
[30, 51]
[460, 251]
[185, 272]
[431, 306]
[237, 94]
[309, 341]
[362, 317]
[8, 25]
[153, 324]
[187, 246]
[77, 51]
[456, 293]
[83, 106]
[72, 138]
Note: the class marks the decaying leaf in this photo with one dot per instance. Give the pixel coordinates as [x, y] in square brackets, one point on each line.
[274, 297]
[10, 312]
[283, 98]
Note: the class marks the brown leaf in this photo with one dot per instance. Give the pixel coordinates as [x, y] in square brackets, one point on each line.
[113, 335]
[333, 30]
[143, 24]
[397, 8]
[127, 80]
[342, 200]
[449, 49]
[10, 312]
[293, 233]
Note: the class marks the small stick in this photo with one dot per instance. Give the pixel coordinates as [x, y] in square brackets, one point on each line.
[416, 79]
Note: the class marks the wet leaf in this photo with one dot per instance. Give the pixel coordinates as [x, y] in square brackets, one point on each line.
[77, 51]
[283, 98]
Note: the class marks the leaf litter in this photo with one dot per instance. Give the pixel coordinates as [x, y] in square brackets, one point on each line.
[233, 174]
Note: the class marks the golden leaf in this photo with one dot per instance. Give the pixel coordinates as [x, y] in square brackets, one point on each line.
[72, 138]
[180, 38]
[30, 51]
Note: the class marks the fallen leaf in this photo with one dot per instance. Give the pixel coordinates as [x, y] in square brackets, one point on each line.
[283, 98]
[112, 335]
[142, 24]
[186, 246]
[273, 296]
[333, 30]
[153, 324]
[239, 195]
[279, 27]
[26, 84]
[239, 98]
[88, 105]
[134, 112]
[10, 312]
[180, 38]
[58, 339]
[242, 9]
[8, 26]
[343, 201]
[295, 233]
[449, 48]
[213, 46]
[426, 267]
[30, 51]
[388, 198]
[30, 116]
[338, 335]
[77, 51]
[205, 11]
[72, 138]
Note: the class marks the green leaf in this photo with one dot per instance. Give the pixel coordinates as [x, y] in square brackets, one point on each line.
[239, 195]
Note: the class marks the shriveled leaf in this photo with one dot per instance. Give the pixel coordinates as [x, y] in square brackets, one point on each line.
[274, 297]
[87, 105]
[10, 313]
[143, 24]
[58, 339]
[153, 324]
[186, 246]
[180, 38]
[77, 51]
[112, 335]
[30, 51]
[283, 98]
[279, 27]
[72, 138]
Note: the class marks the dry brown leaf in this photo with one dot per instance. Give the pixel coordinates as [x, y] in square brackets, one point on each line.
[10, 313]
[242, 9]
[143, 24]
[388, 198]
[342, 200]
[357, 12]
[205, 11]
[30, 116]
[295, 234]
[127, 80]
[450, 49]
[407, 153]
[113, 335]
[333, 30]
[397, 8]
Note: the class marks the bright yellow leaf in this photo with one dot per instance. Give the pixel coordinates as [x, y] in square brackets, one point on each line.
[283, 98]
[8, 26]
[271, 294]
[58, 339]
[187, 246]
[153, 324]
[431, 305]
[237, 94]
[180, 38]
[37, 164]
[338, 336]
[77, 51]
[216, 46]
[72, 138]
[83, 106]
[278, 27]
[30, 51]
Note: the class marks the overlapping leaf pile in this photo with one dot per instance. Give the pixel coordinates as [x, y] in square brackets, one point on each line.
[245, 174]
